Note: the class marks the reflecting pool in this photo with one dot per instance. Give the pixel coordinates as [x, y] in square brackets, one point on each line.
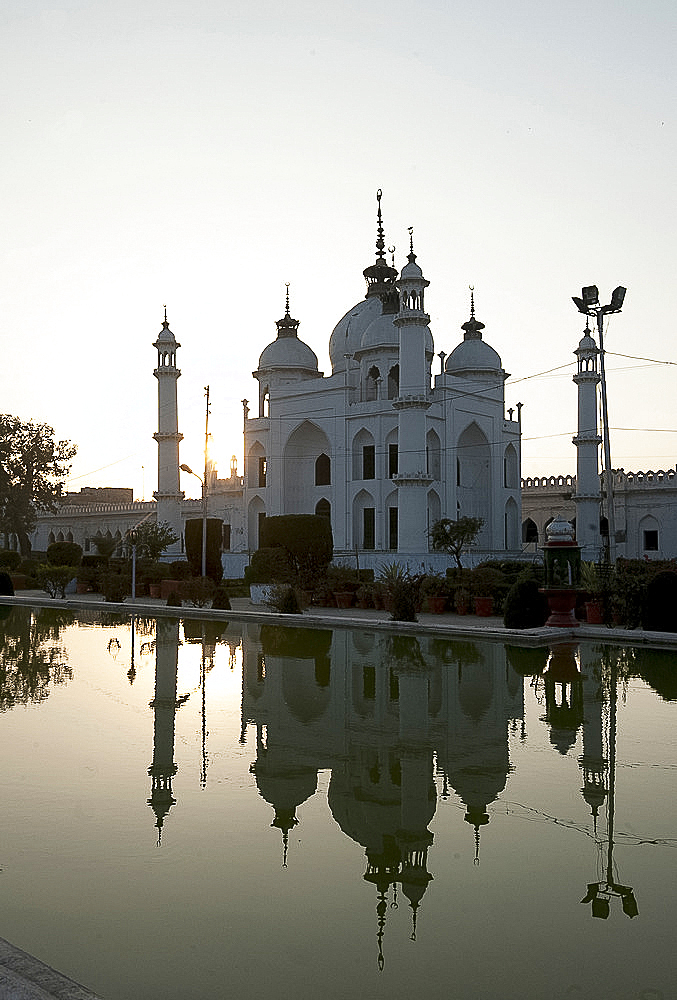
[196, 809]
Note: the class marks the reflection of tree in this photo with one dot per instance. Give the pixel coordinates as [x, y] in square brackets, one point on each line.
[30, 655]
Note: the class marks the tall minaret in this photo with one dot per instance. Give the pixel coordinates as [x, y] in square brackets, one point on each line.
[412, 479]
[587, 441]
[168, 493]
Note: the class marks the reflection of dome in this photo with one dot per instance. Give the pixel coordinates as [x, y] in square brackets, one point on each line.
[306, 699]
[476, 690]
[368, 821]
[282, 782]
[347, 334]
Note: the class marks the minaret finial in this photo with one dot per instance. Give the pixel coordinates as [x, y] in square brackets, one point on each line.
[165, 320]
[287, 300]
[380, 241]
[411, 239]
[472, 301]
[391, 251]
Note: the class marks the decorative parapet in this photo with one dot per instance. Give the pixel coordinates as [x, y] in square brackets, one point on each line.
[624, 480]
[645, 480]
[549, 483]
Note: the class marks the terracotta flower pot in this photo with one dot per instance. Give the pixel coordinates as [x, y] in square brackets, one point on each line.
[593, 613]
[344, 598]
[437, 604]
[484, 607]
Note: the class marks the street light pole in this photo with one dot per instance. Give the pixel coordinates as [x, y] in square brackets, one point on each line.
[589, 305]
[187, 468]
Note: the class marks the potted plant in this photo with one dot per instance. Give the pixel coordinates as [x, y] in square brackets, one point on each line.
[434, 588]
[484, 581]
[592, 584]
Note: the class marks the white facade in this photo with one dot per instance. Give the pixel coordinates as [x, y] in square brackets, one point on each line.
[380, 445]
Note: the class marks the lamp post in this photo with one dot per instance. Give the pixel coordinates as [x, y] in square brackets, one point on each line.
[589, 305]
[133, 538]
[187, 468]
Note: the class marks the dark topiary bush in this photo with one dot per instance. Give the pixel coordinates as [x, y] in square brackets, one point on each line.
[308, 542]
[179, 569]
[174, 600]
[9, 560]
[64, 554]
[6, 587]
[54, 579]
[213, 567]
[525, 606]
[659, 611]
[268, 566]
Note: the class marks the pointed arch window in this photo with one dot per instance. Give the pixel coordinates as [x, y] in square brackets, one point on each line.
[322, 470]
[394, 382]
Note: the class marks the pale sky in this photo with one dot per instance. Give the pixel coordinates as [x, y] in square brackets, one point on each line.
[202, 154]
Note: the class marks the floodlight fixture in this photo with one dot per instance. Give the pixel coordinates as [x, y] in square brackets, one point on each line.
[580, 304]
[617, 298]
[590, 295]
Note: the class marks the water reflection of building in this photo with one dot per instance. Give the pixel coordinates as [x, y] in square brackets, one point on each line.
[164, 705]
[380, 712]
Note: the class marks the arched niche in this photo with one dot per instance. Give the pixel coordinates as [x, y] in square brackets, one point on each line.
[363, 455]
[303, 448]
[257, 470]
[433, 455]
[510, 468]
[473, 472]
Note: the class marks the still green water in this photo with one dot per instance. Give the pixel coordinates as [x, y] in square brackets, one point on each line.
[245, 810]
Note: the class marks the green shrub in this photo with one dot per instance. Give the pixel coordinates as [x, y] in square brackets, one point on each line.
[199, 591]
[284, 600]
[64, 554]
[631, 578]
[6, 586]
[9, 560]
[114, 586]
[659, 611]
[403, 590]
[54, 579]
[213, 567]
[221, 601]
[525, 606]
[174, 600]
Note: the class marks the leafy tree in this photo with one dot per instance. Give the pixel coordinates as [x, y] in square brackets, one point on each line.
[455, 537]
[64, 554]
[33, 468]
[153, 538]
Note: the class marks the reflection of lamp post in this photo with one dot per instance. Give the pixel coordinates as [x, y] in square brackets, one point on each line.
[589, 305]
[187, 468]
[601, 893]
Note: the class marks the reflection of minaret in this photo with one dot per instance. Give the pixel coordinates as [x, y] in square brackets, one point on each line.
[164, 705]
[418, 798]
[592, 762]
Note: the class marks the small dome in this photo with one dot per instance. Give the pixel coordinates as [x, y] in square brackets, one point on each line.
[473, 356]
[165, 336]
[411, 268]
[288, 352]
[347, 335]
[587, 344]
[381, 333]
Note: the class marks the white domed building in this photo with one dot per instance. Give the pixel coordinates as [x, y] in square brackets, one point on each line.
[381, 446]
